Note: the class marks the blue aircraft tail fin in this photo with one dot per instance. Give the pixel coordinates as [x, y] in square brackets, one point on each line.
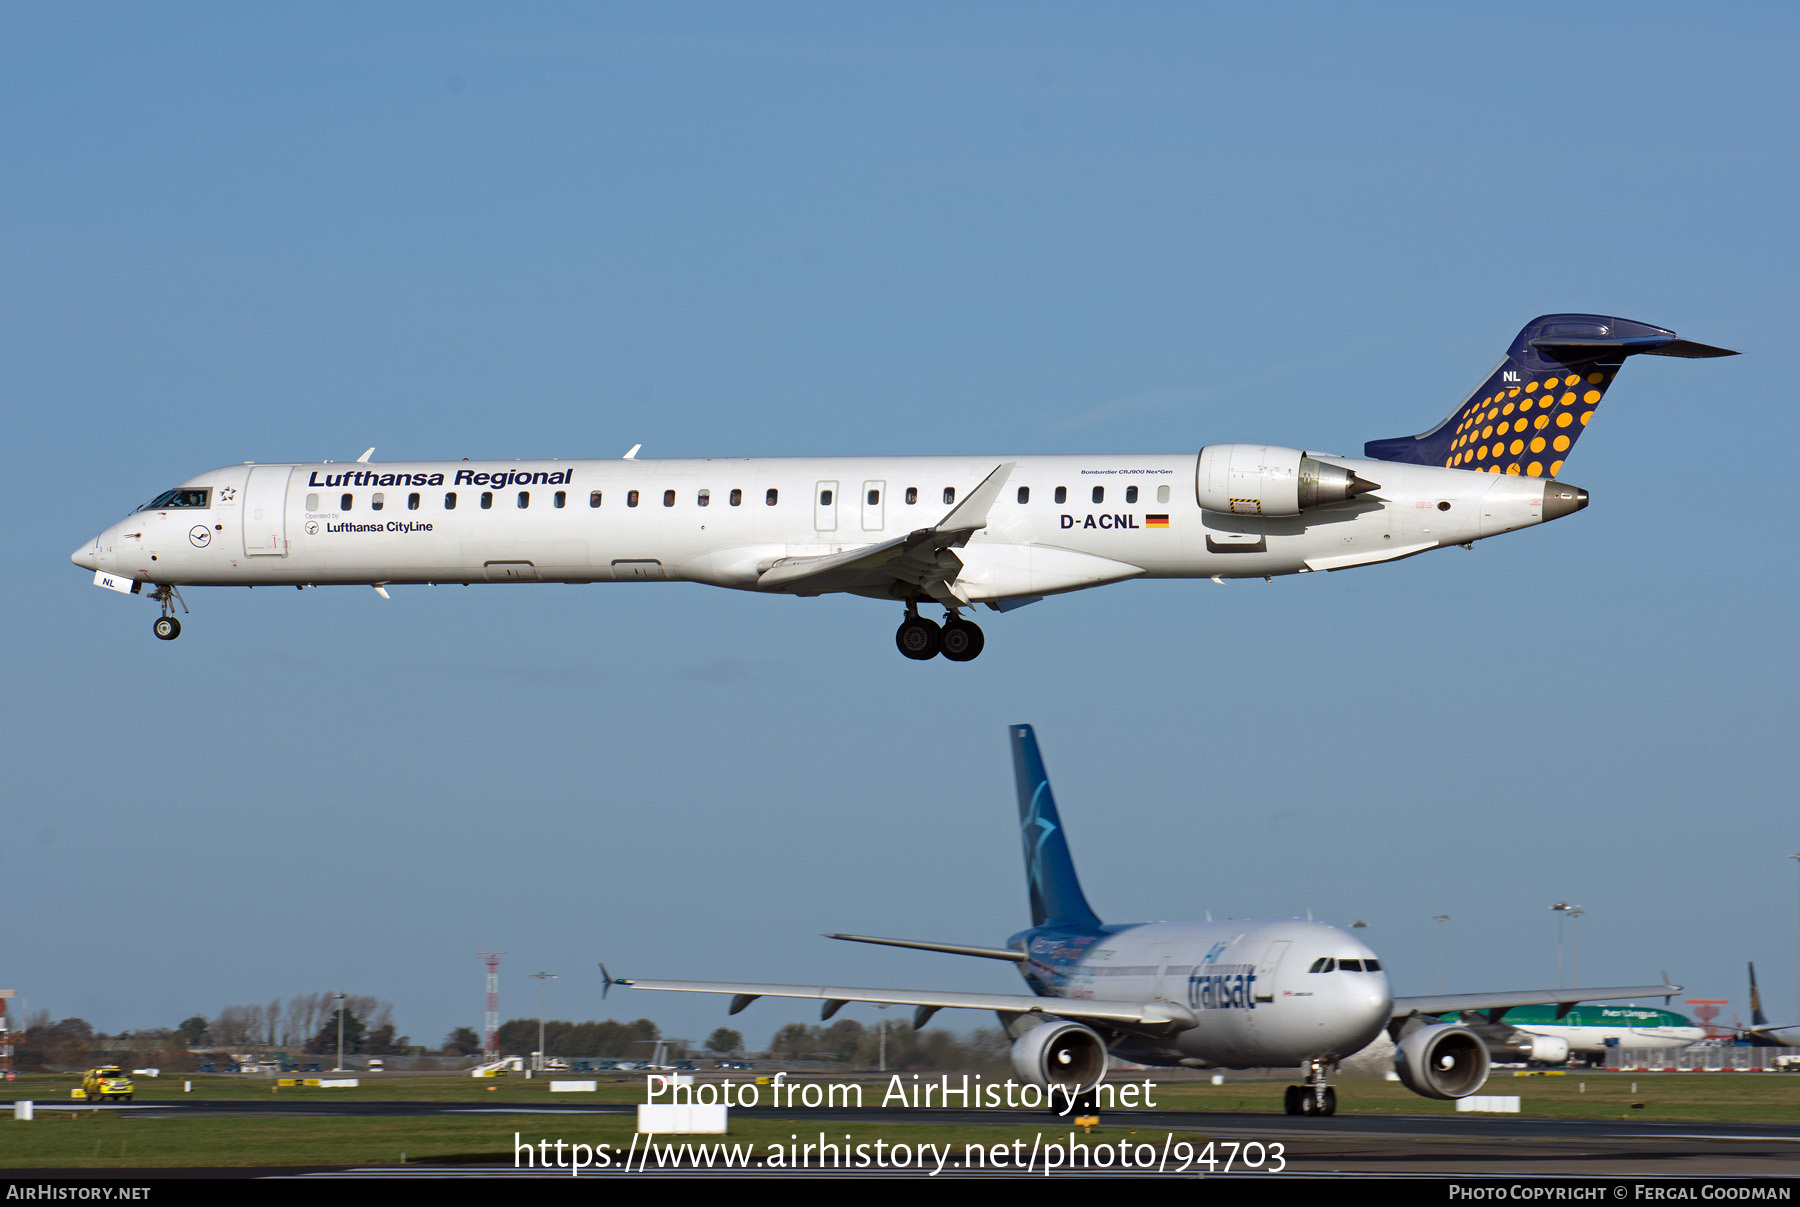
[1056, 897]
[1757, 1017]
[1532, 408]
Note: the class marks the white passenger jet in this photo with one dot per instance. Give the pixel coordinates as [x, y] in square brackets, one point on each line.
[1257, 994]
[953, 531]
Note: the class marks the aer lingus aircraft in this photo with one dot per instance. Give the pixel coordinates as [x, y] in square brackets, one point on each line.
[1238, 994]
[953, 531]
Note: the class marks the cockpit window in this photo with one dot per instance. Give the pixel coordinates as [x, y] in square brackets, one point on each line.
[181, 496]
[1323, 964]
[1350, 965]
[1371, 965]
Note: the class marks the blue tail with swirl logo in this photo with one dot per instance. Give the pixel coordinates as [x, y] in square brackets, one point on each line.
[1056, 896]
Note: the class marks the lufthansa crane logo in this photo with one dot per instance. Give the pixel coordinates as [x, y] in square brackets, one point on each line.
[312, 528]
[200, 535]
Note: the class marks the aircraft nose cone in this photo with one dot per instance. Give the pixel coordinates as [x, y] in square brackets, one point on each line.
[85, 557]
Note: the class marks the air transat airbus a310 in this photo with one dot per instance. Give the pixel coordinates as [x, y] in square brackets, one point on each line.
[1241, 994]
[953, 531]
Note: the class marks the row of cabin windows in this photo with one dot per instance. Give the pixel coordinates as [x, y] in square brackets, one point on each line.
[1098, 494]
[378, 500]
[703, 498]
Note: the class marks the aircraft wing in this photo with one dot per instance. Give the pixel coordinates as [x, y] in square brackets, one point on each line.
[1148, 1016]
[925, 558]
[1453, 1002]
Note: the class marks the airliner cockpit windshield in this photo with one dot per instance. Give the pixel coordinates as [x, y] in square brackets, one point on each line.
[181, 496]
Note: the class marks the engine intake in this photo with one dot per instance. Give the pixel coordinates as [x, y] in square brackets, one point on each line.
[1060, 1053]
[1442, 1061]
[1265, 479]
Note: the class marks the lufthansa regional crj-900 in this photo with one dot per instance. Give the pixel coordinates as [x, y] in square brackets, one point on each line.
[956, 532]
[1240, 994]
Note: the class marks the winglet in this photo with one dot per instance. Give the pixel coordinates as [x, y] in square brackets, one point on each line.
[632, 455]
[972, 512]
[607, 981]
[364, 459]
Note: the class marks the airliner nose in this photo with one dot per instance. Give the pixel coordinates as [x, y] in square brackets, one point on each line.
[85, 556]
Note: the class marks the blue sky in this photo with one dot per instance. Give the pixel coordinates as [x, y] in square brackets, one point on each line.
[256, 233]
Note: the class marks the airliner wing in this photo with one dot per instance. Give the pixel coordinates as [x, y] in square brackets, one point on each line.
[1448, 1003]
[1151, 1016]
[925, 558]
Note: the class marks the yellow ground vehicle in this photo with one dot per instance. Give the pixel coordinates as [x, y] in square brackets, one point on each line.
[106, 1082]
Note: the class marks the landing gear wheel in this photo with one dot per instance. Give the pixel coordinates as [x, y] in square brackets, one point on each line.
[918, 638]
[1290, 1101]
[963, 641]
[167, 628]
[1329, 1106]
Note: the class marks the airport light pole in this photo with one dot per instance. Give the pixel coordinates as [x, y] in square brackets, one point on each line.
[1440, 919]
[882, 1025]
[339, 999]
[1561, 908]
[1575, 912]
[1797, 966]
[540, 978]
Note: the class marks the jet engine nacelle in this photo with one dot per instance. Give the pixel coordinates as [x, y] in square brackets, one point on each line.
[1443, 1061]
[1537, 1049]
[1265, 479]
[1060, 1053]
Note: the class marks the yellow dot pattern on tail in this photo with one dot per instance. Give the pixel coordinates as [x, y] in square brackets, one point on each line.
[1509, 430]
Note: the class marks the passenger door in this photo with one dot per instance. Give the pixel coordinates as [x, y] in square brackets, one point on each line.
[265, 510]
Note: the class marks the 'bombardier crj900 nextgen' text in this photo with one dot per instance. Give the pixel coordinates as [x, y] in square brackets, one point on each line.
[1241, 994]
[955, 531]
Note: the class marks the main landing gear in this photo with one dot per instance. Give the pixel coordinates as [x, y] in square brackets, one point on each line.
[957, 639]
[167, 627]
[1316, 1097]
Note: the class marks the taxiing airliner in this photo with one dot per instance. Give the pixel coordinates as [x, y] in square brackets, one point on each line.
[1240, 994]
[956, 532]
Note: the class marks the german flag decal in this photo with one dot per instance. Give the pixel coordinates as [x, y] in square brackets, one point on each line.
[1156, 521]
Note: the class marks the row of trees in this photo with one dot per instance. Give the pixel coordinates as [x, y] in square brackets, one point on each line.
[609, 1038]
[848, 1042]
[299, 1025]
[74, 1043]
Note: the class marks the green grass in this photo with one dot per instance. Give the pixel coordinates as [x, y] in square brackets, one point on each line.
[115, 1140]
[101, 1138]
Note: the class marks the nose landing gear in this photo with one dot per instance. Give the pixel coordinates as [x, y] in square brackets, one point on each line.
[167, 627]
[1316, 1097]
[957, 639]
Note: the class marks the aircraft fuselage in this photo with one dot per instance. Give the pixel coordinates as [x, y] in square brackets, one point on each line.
[1060, 523]
[1265, 993]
